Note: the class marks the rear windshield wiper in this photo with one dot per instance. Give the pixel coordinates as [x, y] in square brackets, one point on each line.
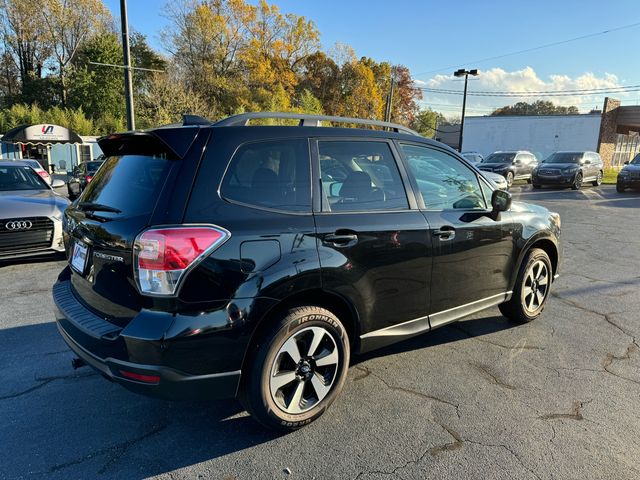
[97, 207]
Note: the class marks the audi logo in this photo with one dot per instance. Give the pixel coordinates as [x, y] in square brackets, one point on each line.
[18, 225]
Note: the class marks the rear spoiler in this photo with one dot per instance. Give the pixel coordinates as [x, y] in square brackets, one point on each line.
[172, 141]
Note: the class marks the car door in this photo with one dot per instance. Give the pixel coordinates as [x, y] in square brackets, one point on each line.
[473, 249]
[373, 242]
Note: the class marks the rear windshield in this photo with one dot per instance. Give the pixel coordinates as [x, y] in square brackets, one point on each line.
[20, 178]
[130, 183]
[93, 166]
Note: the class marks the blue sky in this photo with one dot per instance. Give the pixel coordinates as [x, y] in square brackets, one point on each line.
[430, 35]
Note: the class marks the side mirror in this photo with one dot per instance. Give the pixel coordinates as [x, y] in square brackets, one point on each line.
[500, 201]
[587, 162]
[627, 162]
[57, 183]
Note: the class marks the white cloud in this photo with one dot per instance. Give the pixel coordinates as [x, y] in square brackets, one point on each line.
[525, 80]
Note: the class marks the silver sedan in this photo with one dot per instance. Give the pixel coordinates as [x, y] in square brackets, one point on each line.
[30, 212]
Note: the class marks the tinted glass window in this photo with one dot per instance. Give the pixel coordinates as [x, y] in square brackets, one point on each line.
[445, 182]
[20, 178]
[564, 157]
[360, 176]
[273, 174]
[500, 158]
[92, 167]
[130, 183]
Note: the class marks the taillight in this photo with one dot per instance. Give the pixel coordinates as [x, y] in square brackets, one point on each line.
[88, 178]
[43, 174]
[163, 255]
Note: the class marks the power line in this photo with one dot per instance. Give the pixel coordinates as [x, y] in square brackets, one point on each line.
[507, 92]
[527, 94]
[539, 47]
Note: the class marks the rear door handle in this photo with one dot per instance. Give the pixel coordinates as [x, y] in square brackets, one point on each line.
[445, 233]
[341, 240]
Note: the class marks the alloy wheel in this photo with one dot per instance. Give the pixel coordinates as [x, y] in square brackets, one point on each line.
[509, 179]
[304, 370]
[536, 286]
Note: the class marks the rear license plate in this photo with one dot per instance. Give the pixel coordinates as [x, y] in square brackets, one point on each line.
[79, 257]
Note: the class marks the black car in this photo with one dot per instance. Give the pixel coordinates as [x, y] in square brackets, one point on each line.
[629, 176]
[81, 176]
[569, 169]
[221, 260]
[514, 165]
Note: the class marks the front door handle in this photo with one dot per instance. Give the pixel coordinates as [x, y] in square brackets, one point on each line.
[341, 240]
[445, 233]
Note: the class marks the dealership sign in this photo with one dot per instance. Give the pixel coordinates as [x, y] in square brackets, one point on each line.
[41, 134]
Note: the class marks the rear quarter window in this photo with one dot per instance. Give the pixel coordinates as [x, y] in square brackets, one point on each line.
[271, 174]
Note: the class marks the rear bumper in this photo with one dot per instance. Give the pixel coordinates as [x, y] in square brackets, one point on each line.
[136, 360]
[171, 384]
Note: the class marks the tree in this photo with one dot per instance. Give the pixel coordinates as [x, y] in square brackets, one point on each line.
[426, 122]
[95, 88]
[143, 56]
[24, 38]
[539, 107]
[70, 23]
[361, 95]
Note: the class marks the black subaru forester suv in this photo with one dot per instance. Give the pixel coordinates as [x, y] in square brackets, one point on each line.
[221, 260]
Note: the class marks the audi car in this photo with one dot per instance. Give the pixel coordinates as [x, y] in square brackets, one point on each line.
[30, 212]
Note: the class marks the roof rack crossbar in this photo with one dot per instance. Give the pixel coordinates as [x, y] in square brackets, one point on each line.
[308, 120]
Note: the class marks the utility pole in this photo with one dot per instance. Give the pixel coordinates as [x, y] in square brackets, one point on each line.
[387, 112]
[464, 73]
[126, 54]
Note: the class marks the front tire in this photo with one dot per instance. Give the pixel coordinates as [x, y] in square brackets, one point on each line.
[509, 178]
[532, 288]
[577, 183]
[536, 186]
[619, 188]
[297, 369]
[598, 181]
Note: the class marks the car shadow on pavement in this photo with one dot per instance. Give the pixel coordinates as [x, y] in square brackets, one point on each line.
[50, 257]
[81, 425]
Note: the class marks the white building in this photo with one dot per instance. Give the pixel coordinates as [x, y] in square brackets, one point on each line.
[541, 135]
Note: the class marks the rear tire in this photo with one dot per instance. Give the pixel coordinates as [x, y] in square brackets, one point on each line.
[598, 181]
[532, 288]
[296, 369]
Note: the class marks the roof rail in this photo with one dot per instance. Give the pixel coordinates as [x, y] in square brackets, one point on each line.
[309, 120]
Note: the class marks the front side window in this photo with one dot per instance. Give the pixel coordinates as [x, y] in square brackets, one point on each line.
[360, 176]
[272, 174]
[445, 183]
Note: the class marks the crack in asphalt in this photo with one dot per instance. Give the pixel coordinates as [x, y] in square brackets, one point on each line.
[45, 381]
[609, 358]
[114, 452]
[491, 376]
[484, 340]
[367, 372]
[575, 414]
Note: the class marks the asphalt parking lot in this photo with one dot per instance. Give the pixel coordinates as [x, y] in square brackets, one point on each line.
[484, 398]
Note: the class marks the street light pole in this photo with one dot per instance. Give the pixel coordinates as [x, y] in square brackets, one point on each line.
[126, 54]
[465, 73]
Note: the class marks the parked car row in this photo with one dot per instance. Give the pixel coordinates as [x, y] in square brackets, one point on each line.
[570, 169]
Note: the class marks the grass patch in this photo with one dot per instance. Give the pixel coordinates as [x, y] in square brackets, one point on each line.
[610, 176]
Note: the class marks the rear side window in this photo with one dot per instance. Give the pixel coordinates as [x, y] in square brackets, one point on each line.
[130, 183]
[360, 176]
[270, 174]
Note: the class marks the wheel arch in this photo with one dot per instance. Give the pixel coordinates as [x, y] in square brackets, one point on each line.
[545, 243]
[335, 303]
